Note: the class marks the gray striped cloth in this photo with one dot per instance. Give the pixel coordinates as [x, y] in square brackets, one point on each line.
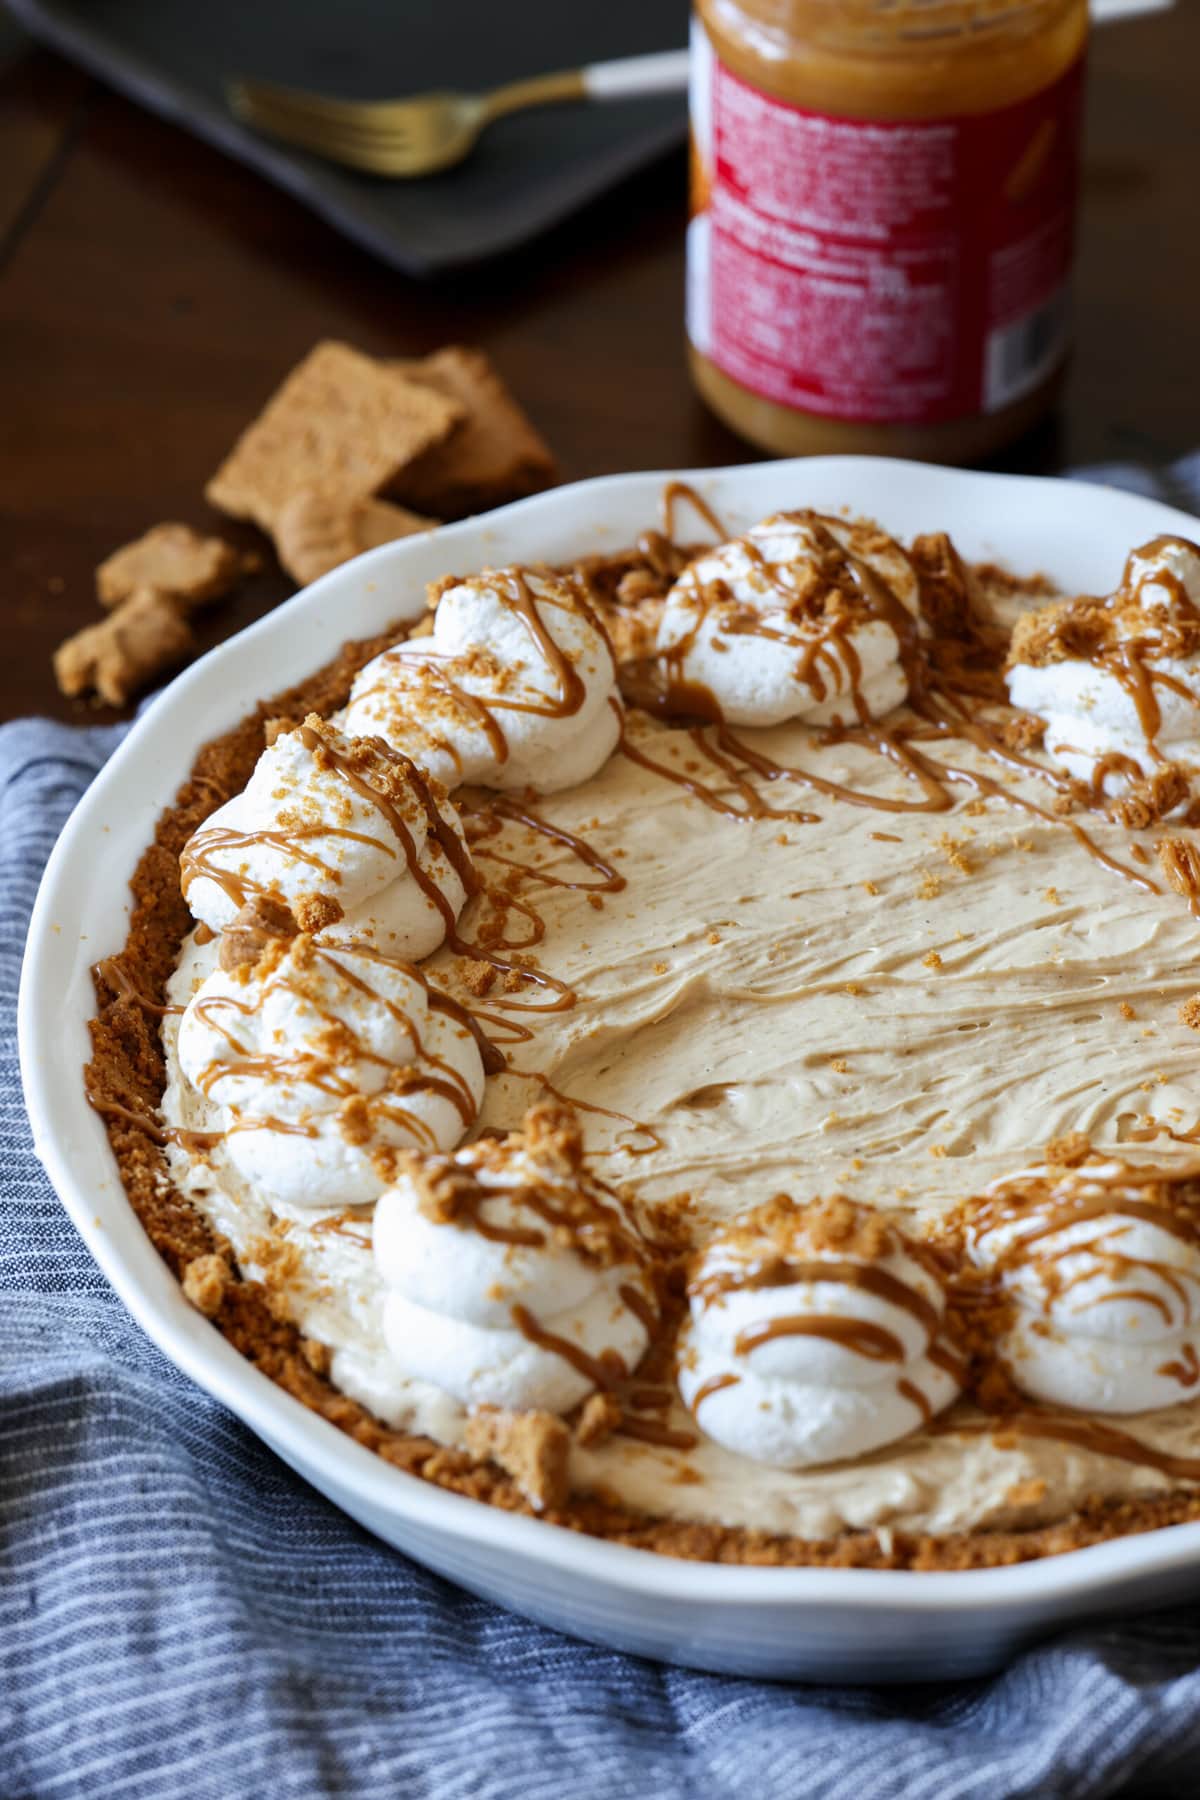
[181, 1615]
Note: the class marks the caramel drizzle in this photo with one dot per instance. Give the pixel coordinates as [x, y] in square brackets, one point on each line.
[934, 778]
[1056, 1214]
[1186, 1370]
[606, 1371]
[198, 856]
[314, 1069]
[778, 1272]
[433, 668]
[908, 1390]
[354, 1226]
[714, 1385]
[112, 973]
[511, 587]
[676, 492]
[874, 1342]
[655, 1431]
[831, 649]
[1124, 660]
[1086, 1434]
[865, 1339]
[194, 1142]
[487, 821]
[638, 1127]
[826, 656]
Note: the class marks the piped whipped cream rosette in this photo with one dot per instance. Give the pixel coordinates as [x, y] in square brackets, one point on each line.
[323, 1063]
[1102, 1263]
[515, 1278]
[516, 687]
[813, 1336]
[349, 833]
[1117, 680]
[805, 617]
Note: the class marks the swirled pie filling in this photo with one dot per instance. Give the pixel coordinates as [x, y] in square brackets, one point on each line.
[700, 1043]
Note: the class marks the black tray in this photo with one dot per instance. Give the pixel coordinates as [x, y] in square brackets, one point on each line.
[528, 172]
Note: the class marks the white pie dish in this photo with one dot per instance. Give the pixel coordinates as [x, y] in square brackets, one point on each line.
[810, 1623]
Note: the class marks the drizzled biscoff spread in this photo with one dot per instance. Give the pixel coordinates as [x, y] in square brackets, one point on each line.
[778, 1020]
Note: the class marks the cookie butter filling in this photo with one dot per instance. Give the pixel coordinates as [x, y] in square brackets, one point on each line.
[515, 688]
[813, 1336]
[720, 974]
[1118, 680]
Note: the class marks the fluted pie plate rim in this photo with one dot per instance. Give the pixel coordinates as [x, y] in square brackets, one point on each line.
[814, 1623]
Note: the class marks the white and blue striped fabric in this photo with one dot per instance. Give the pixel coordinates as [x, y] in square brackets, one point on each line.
[181, 1615]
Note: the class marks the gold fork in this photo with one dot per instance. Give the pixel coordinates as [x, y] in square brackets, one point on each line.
[433, 131]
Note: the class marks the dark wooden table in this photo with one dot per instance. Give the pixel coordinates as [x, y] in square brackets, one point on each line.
[152, 293]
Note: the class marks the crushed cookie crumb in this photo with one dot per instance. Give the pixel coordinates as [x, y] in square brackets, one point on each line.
[319, 1357]
[598, 1419]
[952, 849]
[532, 1447]
[1069, 1151]
[1026, 1493]
[205, 1281]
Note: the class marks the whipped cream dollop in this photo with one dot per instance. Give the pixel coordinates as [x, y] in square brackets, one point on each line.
[349, 833]
[514, 1278]
[1102, 1263]
[1117, 680]
[323, 1063]
[802, 618]
[516, 687]
[812, 1336]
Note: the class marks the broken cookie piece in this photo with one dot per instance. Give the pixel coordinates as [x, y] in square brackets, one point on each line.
[341, 422]
[205, 1281]
[177, 561]
[262, 921]
[317, 530]
[494, 455]
[532, 1447]
[139, 639]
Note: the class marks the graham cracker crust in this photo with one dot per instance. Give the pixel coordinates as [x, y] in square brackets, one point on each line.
[125, 1079]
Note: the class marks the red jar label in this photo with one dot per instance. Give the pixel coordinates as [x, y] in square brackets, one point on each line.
[894, 272]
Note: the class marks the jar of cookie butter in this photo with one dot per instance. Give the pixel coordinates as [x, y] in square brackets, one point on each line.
[882, 219]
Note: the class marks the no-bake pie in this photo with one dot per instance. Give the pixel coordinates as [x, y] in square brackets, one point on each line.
[700, 1044]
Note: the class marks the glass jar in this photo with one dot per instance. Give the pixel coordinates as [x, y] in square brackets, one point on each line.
[882, 219]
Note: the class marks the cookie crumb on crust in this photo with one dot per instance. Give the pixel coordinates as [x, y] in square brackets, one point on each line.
[205, 1282]
[533, 1447]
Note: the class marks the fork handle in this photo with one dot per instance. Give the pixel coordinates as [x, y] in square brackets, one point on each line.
[662, 73]
[665, 72]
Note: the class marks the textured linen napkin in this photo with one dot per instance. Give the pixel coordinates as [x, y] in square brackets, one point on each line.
[180, 1614]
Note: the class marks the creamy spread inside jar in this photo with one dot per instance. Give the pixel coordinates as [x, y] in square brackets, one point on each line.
[883, 197]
